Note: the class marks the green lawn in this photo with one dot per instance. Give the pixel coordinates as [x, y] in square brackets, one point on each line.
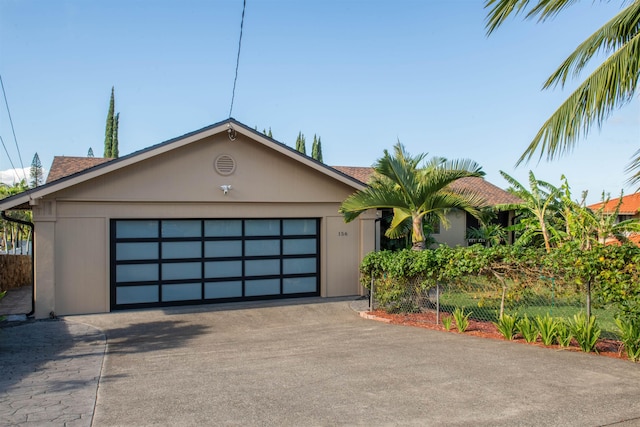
[487, 308]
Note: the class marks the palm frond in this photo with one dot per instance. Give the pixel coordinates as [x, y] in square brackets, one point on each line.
[634, 168]
[501, 10]
[611, 36]
[370, 198]
[612, 84]
[400, 224]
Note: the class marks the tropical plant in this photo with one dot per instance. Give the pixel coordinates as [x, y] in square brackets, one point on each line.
[414, 191]
[489, 234]
[446, 322]
[462, 319]
[11, 233]
[630, 336]
[506, 325]
[538, 205]
[527, 329]
[585, 330]
[547, 328]
[564, 336]
[607, 224]
[611, 85]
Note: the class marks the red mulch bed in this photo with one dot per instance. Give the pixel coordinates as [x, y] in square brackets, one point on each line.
[605, 347]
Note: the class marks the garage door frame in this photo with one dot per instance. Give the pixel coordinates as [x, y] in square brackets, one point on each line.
[130, 237]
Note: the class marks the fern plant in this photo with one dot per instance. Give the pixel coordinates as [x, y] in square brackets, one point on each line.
[630, 337]
[547, 328]
[507, 326]
[462, 319]
[585, 331]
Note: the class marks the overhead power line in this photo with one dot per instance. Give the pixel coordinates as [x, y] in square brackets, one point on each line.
[6, 103]
[235, 79]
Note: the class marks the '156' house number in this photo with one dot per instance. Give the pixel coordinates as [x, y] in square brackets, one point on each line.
[342, 233]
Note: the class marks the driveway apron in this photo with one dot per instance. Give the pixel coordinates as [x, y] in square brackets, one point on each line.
[316, 362]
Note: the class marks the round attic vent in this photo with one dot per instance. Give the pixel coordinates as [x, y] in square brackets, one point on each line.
[225, 164]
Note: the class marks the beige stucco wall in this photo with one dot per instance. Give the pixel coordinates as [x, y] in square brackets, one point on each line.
[72, 225]
[455, 235]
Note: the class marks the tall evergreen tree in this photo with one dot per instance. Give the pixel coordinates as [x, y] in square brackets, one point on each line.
[108, 132]
[111, 129]
[300, 143]
[316, 149]
[90, 152]
[115, 151]
[36, 173]
[269, 134]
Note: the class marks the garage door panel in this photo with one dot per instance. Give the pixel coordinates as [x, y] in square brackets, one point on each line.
[166, 262]
[182, 292]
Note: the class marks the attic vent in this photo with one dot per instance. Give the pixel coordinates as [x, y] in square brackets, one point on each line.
[225, 164]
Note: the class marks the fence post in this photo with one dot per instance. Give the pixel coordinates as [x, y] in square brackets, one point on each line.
[437, 303]
[371, 296]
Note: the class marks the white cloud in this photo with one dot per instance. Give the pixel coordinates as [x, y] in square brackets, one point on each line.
[13, 176]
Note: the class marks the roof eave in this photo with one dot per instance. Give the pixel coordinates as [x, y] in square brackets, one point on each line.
[169, 145]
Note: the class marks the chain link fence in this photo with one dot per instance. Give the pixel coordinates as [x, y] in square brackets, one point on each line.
[485, 300]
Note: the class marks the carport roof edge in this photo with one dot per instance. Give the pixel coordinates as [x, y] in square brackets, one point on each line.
[28, 198]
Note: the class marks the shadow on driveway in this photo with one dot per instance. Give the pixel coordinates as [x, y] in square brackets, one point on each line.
[321, 364]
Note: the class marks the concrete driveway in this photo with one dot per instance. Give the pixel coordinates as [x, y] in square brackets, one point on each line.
[316, 362]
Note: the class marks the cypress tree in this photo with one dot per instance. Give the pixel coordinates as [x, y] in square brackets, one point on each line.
[269, 134]
[316, 149]
[90, 152]
[108, 132]
[36, 173]
[300, 143]
[115, 151]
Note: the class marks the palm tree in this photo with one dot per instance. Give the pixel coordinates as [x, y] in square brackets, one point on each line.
[540, 202]
[414, 191]
[610, 86]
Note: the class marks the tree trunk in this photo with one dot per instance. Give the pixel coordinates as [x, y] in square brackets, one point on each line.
[418, 234]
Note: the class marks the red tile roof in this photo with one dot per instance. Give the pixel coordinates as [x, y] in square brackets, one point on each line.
[64, 166]
[630, 205]
[492, 194]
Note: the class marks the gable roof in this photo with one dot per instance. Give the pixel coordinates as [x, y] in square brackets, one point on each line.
[64, 166]
[630, 205]
[492, 194]
[232, 126]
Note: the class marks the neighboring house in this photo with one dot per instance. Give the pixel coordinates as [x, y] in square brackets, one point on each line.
[629, 209]
[220, 214]
[459, 221]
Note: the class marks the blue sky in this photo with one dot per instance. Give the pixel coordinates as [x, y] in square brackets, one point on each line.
[361, 74]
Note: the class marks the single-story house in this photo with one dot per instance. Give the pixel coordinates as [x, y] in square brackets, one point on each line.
[224, 213]
[220, 214]
[459, 221]
[629, 208]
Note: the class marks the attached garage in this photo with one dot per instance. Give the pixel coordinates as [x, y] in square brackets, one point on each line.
[188, 261]
[221, 214]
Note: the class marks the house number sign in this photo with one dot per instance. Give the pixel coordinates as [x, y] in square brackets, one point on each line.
[342, 233]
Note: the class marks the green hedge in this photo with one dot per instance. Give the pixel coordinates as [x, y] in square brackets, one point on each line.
[610, 274]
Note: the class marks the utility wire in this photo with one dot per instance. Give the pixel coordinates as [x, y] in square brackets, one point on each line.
[6, 103]
[235, 79]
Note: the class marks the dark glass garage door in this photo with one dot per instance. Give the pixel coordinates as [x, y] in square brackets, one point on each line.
[185, 261]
